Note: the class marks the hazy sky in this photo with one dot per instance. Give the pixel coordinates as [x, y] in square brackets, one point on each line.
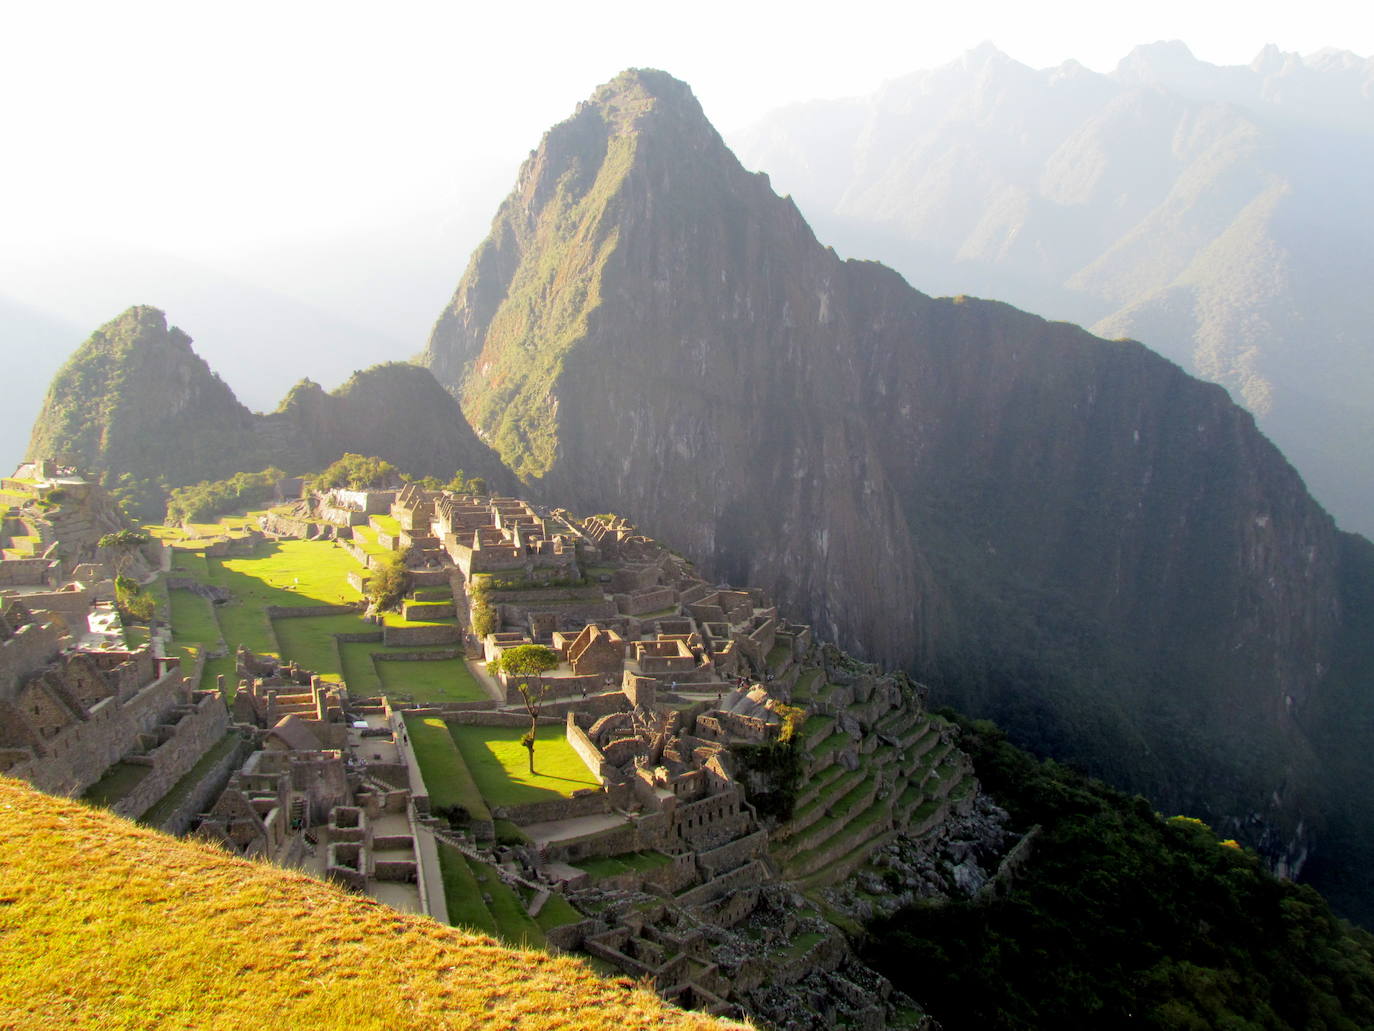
[299, 184]
[202, 126]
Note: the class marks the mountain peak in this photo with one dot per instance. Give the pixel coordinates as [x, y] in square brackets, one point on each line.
[1155, 63]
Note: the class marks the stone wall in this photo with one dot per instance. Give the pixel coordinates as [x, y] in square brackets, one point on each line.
[27, 572]
[592, 803]
[427, 656]
[417, 635]
[586, 751]
[609, 842]
[303, 611]
[30, 647]
[488, 718]
[193, 735]
[69, 603]
[594, 705]
[80, 753]
[203, 794]
[716, 861]
[646, 600]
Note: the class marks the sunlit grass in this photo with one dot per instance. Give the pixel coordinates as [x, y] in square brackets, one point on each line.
[309, 640]
[447, 778]
[500, 764]
[105, 924]
[431, 680]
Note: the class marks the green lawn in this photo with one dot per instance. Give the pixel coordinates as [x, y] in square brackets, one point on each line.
[396, 619]
[309, 640]
[192, 620]
[507, 908]
[189, 562]
[366, 538]
[779, 655]
[291, 573]
[447, 777]
[556, 912]
[499, 764]
[461, 894]
[119, 780]
[389, 525]
[433, 594]
[359, 671]
[433, 680]
[431, 610]
[226, 665]
[245, 623]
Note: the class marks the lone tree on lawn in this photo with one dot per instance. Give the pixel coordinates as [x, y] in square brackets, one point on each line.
[525, 661]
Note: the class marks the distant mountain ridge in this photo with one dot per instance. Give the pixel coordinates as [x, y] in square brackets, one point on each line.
[1217, 214]
[1066, 534]
[136, 402]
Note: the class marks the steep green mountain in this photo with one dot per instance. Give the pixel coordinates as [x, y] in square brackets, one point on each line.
[138, 407]
[136, 399]
[1067, 534]
[1217, 214]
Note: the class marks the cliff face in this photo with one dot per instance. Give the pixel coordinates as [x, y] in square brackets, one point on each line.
[1215, 213]
[1067, 534]
[136, 404]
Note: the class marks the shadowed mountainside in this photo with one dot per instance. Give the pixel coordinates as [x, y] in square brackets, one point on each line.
[1216, 213]
[1067, 534]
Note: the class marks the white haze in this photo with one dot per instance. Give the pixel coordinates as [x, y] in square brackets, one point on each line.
[299, 185]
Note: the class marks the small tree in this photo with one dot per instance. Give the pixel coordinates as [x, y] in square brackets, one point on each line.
[389, 581]
[525, 661]
[125, 544]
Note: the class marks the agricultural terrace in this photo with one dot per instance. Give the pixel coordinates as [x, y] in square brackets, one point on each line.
[295, 574]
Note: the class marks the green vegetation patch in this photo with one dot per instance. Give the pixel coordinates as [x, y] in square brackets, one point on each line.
[499, 764]
[430, 680]
[513, 923]
[397, 620]
[1120, 917]
[389, 525]
[461, 894]
[447, 778]
[433, 594]
[358, 670]
[556, 912]
[611, 866]
[193, 622]
[292, 572]
[119, 780]
[226, 666]
[309, 640]
[366, 538]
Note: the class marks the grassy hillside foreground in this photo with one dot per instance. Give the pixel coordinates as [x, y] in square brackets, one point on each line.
[104, 924]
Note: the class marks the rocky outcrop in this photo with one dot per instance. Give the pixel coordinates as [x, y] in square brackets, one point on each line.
[1068, 534]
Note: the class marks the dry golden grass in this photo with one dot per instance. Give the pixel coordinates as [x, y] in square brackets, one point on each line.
[105, 924]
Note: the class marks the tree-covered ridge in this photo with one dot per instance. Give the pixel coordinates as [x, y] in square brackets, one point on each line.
[138, 409]
[136, 406]
[1123, 918]
[210, 499]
